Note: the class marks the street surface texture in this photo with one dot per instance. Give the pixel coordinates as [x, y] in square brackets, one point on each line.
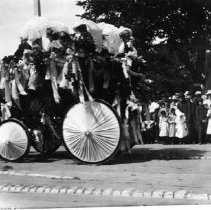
[148, 168]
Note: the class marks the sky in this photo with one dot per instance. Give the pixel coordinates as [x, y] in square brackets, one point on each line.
[15, 13]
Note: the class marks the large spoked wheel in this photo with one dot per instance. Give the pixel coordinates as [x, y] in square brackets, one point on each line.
[14, 140]
[92, 132]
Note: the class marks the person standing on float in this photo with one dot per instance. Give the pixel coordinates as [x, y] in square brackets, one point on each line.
[126, 53]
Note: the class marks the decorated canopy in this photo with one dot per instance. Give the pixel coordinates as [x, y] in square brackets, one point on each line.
[36, 27]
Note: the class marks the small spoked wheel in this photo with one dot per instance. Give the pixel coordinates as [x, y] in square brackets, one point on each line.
[14, 140]
[92, 132]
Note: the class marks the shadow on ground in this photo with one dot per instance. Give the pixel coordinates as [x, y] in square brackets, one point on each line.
[137, 155]
[148, 154]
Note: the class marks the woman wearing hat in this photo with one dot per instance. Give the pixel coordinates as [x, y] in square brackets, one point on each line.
[23, 46]
[163, 126]
[181, 127]
[172, 124]
[208, 102]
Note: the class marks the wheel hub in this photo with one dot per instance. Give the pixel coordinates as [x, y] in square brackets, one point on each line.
[88, 134]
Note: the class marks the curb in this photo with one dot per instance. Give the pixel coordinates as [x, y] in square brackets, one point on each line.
[110, 192]
[14, 173]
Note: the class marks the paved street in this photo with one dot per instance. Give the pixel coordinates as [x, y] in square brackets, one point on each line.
[147, 168]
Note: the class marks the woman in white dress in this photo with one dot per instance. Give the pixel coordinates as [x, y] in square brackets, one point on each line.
[208, 104]
[171, 121]
[208, 133]
[181, 126]
[163, 126]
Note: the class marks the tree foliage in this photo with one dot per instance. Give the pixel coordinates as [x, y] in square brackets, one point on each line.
[184, 25]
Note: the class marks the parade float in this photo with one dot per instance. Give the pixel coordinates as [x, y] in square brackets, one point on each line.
[76, 92]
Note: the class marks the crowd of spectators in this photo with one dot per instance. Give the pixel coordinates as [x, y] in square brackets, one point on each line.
[183, 118]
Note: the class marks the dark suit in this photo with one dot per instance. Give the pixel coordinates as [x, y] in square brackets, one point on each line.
[187, 107]
[201, 122]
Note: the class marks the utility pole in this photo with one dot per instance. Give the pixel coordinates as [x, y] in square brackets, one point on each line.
[37, 7]
[37, 12]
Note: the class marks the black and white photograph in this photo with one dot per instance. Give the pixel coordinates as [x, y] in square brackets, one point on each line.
[105, 103]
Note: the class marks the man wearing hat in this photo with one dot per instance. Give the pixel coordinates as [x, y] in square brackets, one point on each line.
[196, 115]
[174, 101]
[201, 121]
[198, 94]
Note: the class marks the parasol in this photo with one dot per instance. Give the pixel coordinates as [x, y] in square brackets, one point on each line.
[35, 28]
[112, 40]
[58, 26]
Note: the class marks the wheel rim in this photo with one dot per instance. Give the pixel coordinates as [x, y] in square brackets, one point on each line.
[13, 141]
[91, 132]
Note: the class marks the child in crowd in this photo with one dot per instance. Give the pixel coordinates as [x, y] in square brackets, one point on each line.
[163, 126]
[172, 124]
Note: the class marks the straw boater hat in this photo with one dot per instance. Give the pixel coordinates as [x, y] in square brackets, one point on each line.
[187, 94]
[174, 97]
[153, 106]
[198, 93]
[208, 92]
[27, 51]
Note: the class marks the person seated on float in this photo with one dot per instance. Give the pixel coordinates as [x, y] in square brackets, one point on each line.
[24, 45]
[85, 48]
[24, 69]
[34, 64]
[54, 68]
[66, 55]
[54, 44]
[6, 78]
[84, 42]
[127, 52]
[66, 42]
